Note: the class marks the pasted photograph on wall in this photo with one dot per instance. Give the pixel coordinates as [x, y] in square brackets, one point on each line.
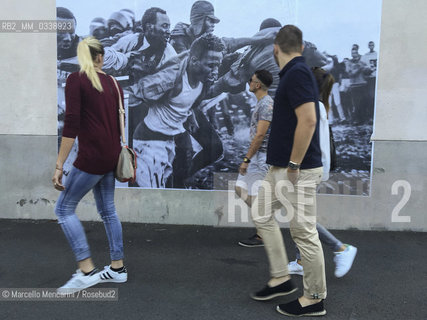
[185, 67]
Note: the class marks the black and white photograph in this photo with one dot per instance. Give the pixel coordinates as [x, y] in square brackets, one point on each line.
[184, 67]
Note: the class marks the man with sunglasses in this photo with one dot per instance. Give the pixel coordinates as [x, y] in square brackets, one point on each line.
[254, 167]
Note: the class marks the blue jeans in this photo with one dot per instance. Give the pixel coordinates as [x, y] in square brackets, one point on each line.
[326, 238]
[77, 184]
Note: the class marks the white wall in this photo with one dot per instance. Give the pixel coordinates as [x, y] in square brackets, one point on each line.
[28, 81]
[401, 110]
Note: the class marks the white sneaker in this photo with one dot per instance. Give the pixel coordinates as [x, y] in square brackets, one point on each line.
[108, 275]
[344, 260]
[295, 268]
[78, 282]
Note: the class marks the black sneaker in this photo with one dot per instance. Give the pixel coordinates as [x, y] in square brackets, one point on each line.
[269, 293]
[294, 309]
[252, 242]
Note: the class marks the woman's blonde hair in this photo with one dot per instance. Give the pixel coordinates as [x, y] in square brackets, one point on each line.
[87, 51]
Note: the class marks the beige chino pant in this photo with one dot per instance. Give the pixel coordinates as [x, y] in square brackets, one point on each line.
[299, 200]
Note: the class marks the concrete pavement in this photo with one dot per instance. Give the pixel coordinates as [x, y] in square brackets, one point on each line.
[193, 272]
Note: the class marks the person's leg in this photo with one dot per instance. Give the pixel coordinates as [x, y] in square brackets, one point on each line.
[144, 157]
[304, 233]
[295, 266]
[337, 100]
[247, 185]
[77, 185]
[154, 162]
[263, 209]
[242, 193]
[328, 239]
[136, 114]
[211, 115]
[297, 253]
[209, 140]
[344, 253]
[241, 189]
[104, 197]
[182, 161]
[226, 114]
[358, 95]
[371, 98]
[247, 189]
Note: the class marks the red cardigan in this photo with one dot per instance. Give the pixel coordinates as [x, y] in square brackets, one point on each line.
[93, 117]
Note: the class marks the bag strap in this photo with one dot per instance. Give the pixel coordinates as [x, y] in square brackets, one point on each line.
[121, 112]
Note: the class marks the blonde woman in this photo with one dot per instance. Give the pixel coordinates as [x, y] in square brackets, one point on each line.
[91, 115]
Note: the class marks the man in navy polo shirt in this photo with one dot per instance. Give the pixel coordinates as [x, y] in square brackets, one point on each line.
[296, 170]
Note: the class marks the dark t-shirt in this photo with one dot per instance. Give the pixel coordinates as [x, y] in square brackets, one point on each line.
[92, 116]
[296, 87]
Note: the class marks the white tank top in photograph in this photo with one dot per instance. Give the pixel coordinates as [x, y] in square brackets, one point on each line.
[168, 118]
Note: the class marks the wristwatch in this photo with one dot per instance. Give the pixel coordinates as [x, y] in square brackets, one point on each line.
[246, 160]
[293, 165]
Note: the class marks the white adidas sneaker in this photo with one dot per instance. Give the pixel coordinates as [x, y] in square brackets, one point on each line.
[108, 275]
[79, 281]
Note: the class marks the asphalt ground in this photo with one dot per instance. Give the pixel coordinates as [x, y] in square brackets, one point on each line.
[194, 272]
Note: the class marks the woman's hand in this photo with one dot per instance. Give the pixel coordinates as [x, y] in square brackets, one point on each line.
[57, 180]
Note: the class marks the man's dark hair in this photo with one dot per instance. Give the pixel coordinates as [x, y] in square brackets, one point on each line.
[289, 39]
[150, 16]
[205, 43]
[265, 77]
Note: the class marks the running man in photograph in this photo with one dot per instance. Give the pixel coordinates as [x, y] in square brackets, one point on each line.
[170, 95]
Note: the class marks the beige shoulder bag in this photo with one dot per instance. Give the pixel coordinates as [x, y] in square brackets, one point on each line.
[126, 166]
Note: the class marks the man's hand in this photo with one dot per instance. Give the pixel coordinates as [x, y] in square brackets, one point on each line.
[243, 168]
[293, 175]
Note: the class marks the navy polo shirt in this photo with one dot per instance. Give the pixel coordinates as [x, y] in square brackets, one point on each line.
[296, 87]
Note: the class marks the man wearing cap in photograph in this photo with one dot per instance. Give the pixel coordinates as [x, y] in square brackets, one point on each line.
[130, 15]
[119, 26]
[202, 20]
[99, 28]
